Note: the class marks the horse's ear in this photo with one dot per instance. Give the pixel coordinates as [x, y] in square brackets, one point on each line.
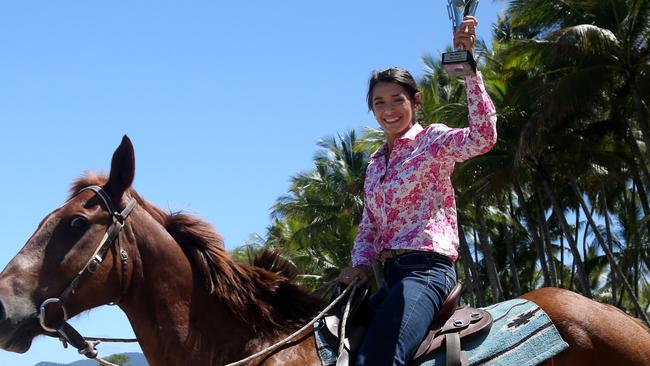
[122, 170]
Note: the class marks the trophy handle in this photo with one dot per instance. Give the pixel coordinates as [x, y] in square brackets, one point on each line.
[471, 7]
[452, 16]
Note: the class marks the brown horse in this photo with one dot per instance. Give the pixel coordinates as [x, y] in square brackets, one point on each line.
[190, 304]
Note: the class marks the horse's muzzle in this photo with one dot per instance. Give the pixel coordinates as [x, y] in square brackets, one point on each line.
[18, 322]
[18, 337]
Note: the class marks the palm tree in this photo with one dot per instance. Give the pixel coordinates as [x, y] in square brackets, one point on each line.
[607, 41]
[316, 221]
[588, 65]
[571, 83]
[610, 255]
[490, 175]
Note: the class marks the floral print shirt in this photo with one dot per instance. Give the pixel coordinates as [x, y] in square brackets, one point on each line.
[408, 197]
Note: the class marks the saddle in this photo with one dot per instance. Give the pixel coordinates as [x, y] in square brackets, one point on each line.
[452, 325]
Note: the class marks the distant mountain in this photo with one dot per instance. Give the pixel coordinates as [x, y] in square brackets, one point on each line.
[135, 359]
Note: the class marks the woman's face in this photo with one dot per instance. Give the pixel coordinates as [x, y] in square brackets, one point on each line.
[393, 109]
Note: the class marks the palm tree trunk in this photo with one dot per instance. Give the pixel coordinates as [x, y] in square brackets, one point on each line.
[490, 264]
[640, 161]
[641, 113]
[608, 253]
[573, 267]
[610, 243]
[532, 230]
[630, 207]
[510, 250]
[635, 246]
[643, 196]
[585, 233]
[647, 265]
[636, 243]
[583, 279]
[475, 238]
[546, 242]
[561, 274]
[466, 256]
[473, 300]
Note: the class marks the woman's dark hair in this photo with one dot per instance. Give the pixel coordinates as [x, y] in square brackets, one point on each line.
[395, 75]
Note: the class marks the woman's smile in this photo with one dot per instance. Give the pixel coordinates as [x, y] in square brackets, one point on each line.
[393, 109]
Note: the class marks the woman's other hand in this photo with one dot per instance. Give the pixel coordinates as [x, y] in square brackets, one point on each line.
[348, 275]
[465, 36]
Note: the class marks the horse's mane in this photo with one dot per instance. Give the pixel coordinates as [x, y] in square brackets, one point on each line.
[261, 294]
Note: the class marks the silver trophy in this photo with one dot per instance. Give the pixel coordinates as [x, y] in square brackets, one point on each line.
[460, 62]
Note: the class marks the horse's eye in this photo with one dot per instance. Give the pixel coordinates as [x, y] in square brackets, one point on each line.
[78, 222]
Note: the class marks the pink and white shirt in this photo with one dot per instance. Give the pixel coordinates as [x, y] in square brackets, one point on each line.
[408, 199]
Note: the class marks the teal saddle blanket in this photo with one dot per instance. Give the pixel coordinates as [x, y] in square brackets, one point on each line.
[522, 335]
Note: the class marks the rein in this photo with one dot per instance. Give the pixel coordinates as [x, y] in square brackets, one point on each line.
[66, 333]
[351, 287]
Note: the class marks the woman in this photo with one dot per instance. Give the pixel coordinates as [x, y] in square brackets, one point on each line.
[409, 220]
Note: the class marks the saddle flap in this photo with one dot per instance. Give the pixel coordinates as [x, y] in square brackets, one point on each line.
[466, 321]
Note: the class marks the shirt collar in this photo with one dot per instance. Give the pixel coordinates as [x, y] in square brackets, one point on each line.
[412, 132]
[409, 135]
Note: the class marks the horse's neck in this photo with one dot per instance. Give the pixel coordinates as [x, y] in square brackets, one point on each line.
[175, 319]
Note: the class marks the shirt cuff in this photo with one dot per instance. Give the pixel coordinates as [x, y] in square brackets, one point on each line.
[360, 262]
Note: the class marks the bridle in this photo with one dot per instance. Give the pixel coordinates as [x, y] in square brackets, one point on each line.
[86, 346]
[65, 331]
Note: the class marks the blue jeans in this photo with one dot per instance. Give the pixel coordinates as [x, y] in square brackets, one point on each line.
[415, 286]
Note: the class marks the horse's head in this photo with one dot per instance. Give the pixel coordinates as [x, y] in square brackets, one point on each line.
[64, 243]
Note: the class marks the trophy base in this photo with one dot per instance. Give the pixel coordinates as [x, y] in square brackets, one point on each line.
[459, 63]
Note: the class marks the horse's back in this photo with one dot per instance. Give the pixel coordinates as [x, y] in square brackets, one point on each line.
[597, 334]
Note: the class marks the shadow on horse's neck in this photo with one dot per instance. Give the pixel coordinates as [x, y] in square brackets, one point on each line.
[187, 298]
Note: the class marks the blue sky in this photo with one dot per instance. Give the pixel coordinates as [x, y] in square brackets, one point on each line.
[224, 102]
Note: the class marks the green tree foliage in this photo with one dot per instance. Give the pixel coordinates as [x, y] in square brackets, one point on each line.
[316, 222]
[120, 359]
[561, 200]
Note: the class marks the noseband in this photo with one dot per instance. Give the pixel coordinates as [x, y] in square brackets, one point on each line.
[65, 331]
